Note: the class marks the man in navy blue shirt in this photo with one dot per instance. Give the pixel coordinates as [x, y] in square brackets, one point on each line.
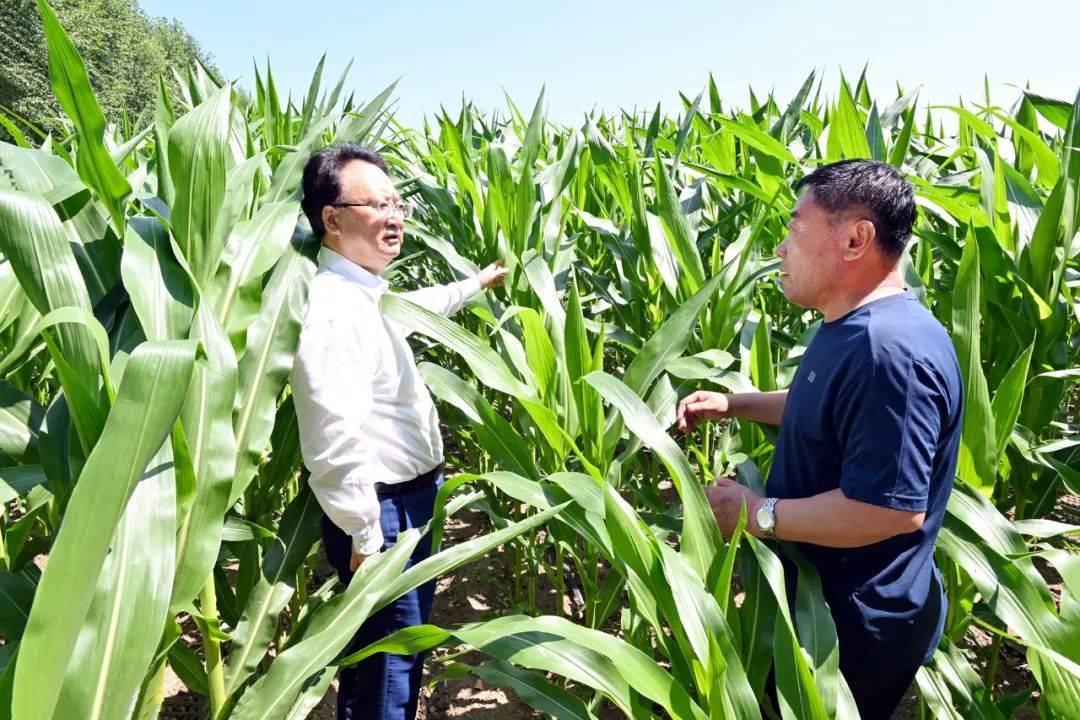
[869, 429]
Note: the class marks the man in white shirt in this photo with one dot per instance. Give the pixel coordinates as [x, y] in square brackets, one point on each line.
[369, 432]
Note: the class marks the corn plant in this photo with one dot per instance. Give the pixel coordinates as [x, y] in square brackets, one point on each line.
[638, 238]
[152, 292]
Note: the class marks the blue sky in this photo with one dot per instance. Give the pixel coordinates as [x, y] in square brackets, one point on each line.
[610, 54]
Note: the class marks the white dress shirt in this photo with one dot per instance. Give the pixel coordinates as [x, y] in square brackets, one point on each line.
[364, 413]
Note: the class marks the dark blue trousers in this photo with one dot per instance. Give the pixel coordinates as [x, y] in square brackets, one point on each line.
[879, 663]
[386, 687]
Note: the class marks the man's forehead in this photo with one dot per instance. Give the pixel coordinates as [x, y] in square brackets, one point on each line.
[805, 202]
[807, 208]
[360, 175]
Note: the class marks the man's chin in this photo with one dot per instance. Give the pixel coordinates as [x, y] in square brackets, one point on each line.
[792, 297]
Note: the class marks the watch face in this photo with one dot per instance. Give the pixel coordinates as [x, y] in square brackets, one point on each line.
[764, 519]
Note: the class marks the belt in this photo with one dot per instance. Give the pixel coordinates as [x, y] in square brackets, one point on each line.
[385, 490]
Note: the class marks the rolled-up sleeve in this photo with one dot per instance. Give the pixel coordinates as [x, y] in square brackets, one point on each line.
[332, 390]
[444, 299]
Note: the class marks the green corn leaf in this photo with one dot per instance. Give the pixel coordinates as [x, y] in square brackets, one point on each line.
[976, 463]
[208, 429]
[700, 538]
[952, 683]
[379, 581]
[16, 598]
[847, 136]
[160, 289]
[119, 638]
[252, 249]
[588, 657]
[757, 139]
[71, 85]
[251, 639]
[496, 434]
[679, 233]
[267, 361]
[148, 403]
[1007, 400]
[32, 239]
[534, 689]
[899, 151]
[20, 422]
[199, 158]
[798, 695]
[488, 366]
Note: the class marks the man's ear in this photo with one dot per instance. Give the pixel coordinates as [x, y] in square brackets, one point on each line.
[329, 219]
[859, 240]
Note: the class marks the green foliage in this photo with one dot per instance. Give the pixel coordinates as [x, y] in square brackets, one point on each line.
[124, 49]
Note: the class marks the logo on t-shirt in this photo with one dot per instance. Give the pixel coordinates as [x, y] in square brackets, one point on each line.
[811, 376]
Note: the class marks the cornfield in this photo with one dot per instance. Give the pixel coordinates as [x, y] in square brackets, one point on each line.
[152, 278]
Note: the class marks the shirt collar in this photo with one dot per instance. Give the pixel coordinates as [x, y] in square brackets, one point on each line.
[338, 263]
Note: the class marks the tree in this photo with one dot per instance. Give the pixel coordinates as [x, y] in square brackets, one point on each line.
[124, 49]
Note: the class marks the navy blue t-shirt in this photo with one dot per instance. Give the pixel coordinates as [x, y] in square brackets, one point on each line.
[875, 410]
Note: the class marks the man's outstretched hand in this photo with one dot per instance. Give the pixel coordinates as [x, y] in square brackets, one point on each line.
[494, 275]
[701, 405]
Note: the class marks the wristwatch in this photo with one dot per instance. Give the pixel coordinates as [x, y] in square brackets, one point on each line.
[766, 518]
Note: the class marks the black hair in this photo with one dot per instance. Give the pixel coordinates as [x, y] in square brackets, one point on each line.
[322, 178]
[873, 185]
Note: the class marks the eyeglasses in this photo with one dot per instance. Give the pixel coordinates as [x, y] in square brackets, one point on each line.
[383, 208]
